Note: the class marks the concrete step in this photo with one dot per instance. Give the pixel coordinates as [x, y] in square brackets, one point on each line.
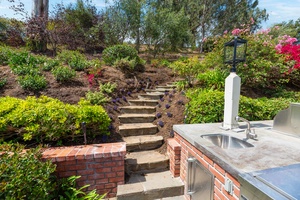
[172, 84]
[165, 87]
[138, 109]
[143, 142]
[136, 118]
[153, 96]
[137, 129]
[181, 197]
[146, 161]
[151, 186]
[143, 102]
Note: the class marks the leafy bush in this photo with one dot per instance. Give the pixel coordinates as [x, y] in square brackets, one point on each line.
[23, 175]
[2, 82]
[21, 168]
[32, 82]
[188, 68]
[96, 98]
[46, 119]
[111, 54]
[22, 58]
[50, 64]
[5, 53]
[108, 87]
[77, 64]
[214, 79]
[207, 106]
[63, 74]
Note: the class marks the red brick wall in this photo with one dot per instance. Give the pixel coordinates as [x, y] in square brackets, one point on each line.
[174, 151]
[219, 174]
[100, 165]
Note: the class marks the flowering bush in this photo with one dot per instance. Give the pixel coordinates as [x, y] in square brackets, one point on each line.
[265, 67]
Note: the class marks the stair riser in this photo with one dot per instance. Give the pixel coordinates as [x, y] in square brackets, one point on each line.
[138, 111]
[165, 87]
[136, 132]
[142, 103]
[147, 167]
[150, 97]
[136, 120]
[144, 146]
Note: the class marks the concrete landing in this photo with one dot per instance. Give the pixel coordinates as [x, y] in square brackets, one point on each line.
[151, 186]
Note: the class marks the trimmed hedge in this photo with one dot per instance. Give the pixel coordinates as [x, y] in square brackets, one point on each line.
[45, 119]
[207, 106]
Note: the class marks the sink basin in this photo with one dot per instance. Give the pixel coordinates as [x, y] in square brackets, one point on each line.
[226, 141]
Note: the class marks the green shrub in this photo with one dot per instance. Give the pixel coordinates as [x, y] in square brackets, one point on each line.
[5, 53]
[188, 68]
[22, 58]
[108, 87]
[96, 98]
[25, 69]
[63, 74]
[2, 82]
[32, 82]
[50, 64]
[77, 64]
[207, 106]
[23, 175]
[46, 119]
[212, 79]
[74, 59]
[111, 54]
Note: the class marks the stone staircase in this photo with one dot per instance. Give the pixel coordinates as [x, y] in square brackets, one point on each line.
[148, 170]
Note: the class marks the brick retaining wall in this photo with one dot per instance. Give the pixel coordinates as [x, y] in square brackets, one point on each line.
[99, 165]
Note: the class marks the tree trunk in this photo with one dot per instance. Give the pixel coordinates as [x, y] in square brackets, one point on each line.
[40, 8]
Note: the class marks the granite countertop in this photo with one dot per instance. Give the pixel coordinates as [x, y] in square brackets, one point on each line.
[271, 149]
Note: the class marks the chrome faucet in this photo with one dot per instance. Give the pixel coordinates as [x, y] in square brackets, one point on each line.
[250, 133]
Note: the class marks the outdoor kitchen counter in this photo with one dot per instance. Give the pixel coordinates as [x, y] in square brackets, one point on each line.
[271, 149]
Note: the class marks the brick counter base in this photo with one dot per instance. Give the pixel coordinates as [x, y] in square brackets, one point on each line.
[179, 160]
[99, 165]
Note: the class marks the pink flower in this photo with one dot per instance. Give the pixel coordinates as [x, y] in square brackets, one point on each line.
[252, 20]
[236, 31]
[225, 32]
[278, 47]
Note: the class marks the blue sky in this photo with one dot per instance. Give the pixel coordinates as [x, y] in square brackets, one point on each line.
[279, 10]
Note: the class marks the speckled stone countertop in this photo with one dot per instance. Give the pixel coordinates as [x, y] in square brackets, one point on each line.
[271, 149]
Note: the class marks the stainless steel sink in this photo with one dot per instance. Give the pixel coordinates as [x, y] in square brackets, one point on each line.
[226, 141]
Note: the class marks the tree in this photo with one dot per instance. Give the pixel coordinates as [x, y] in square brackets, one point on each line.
[133, 13]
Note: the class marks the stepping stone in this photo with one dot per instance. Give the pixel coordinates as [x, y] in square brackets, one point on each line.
[144, 142]
[143, 102]
[151, 186]
[137, 129]
[181, 197]
[155, 96]
[136, 118]
[145, 161]
[138, 109]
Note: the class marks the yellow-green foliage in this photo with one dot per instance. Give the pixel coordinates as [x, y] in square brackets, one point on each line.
[48, 119]
[188, 68]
